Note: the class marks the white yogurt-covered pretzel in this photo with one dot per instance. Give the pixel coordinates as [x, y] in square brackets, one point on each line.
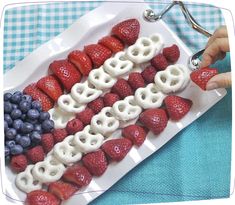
[186, 75]
[149, 97]
[49, 170]
[85, 92]
[68, 104]
[101, 79]
[87, 140]
[26, 182]
[170, 80]
[144, 49]
[60, 117]
[104, 122]
[66, 151]
[126, 109]
[118, 65]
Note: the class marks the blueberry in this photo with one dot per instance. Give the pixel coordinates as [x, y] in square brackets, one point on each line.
[14, 106]
[38, 128]
[33, 114]
[16, 149]
[10, 143]
[8, 119]
[24, 141]
[16, 97]
[26, 128]
[17, 138]
[27, 98]
[47, 125]
[10, 133]
[7, 96]
[23, 117]
[24, 106]
[32, 121]
[36, 105]
[35, 137]
[7, 107]
[18, 93]
[5, 125]
[7, 151]
[8, 159]
[44, 116]
[16, 114]
[17, 124]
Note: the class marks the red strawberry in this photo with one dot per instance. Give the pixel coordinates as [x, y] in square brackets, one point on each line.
[35, 154]
[78, 175]
[85, 116]
[159, 62]
[37, 94]
[135, 133]
[117, 149]
[122, 88]
[127, 31]
[98, 54]
[202, 76]
[110, 99]
[81, 60]
[95, 162]
[73, 126]
[112, 43]
[66, 72]
[62, 190]
[47, 142]
[136, 80]
[19, 163]
[177, 107]
[148, 74]
[154, 119]
[96, 105]
[171, 53]
[59, 135]
[40, 197]
[50, 86]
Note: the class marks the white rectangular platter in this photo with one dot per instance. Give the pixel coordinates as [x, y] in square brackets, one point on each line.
[89, 29]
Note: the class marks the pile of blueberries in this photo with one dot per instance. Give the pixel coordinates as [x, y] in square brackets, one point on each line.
[24, 123]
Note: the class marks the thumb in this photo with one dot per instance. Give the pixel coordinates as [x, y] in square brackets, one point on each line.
[222, 80]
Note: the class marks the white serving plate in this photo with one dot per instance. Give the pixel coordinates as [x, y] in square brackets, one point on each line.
[89, 29]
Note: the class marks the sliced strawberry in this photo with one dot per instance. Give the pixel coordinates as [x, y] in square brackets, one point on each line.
[112, 43]
[122, 88]
[95, 162]
[154, 119]
[98, 54]
[40, 197]
[117, 149]
[177, 107]
[50, 86]
[62, 190]
[135, 133]
[37, 94]
[202, 76]
[127, 31]
[66, 73]
[81, 60]
[78, 175]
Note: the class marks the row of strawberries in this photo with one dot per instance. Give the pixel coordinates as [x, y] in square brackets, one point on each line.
[69, 71]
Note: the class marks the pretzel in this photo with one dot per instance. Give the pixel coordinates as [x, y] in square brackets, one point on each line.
[149, 97]
[104, 122]
[49, 170]
[170, 80]
[85, 92]
[68, 104]
[26, 182]
[87, 140]
[144, 49]
[66, 152]
[118, 65]
[126, 109]
[101, 79]
[60, 117]
[186, 75]
[123, 124]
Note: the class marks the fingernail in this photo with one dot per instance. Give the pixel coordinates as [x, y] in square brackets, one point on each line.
[211, 86]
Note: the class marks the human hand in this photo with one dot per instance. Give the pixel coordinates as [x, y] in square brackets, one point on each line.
[216, 49]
